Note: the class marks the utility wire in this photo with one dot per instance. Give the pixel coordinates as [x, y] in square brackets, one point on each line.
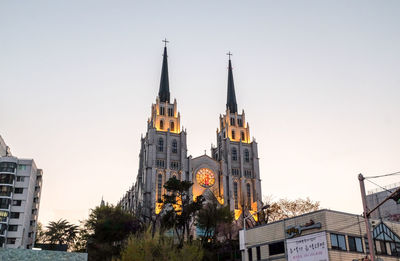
[380, 186]
[384, 175]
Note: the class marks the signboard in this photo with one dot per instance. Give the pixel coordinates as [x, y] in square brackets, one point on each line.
[311, 247]
[241, 239]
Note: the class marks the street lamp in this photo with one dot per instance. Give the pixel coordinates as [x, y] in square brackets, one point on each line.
[244, 230]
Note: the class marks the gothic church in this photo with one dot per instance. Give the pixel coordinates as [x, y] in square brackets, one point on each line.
[231, 174]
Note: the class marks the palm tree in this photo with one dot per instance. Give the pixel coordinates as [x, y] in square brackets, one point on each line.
[61, 232]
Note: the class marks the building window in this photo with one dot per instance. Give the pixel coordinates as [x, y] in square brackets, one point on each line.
[355, 244]
[258, 253]
[240, 122]
[338, 242]
[32, 222]
[172, 126]
[21, 167]
[248, 187]
[11, 241]
[235, 172]
[18, 190]
[233, 135]
[14, 215]
[248, 173]
[160, 145]
[160, 163]
[174, 165]
[5, 191]
[8, 167]
[162, 111]
[161, 124]
[234, 154]
[174, 146]
[235, 193]
[277, 248]
[16, 202]
[395, 249]
[246, 155]
[250, 251]
[4, 203]
[6, 179]
[242, 135]
[159, 187]
[170, 112]
[232, 121]
[20, 179]
[12, 227]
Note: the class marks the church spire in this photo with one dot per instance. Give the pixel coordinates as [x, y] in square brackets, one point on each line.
[231, 97]
[163, 93]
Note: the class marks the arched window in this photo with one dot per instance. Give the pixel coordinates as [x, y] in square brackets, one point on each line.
[242, 134]
[161, 124]
[248, 187]
[246, 155]
[160, 145]
[159, 186]
[233, 135]
[172, 126]
[232, 121]
[234, 154]
[174, 146]
[235, 193]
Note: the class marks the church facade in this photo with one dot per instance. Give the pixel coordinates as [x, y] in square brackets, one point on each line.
[231, 174]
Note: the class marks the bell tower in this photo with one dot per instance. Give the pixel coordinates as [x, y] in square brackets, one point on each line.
[163, 151]
[239, 155]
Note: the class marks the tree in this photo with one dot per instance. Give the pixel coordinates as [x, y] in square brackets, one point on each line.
[107, 227]
[40, 234]
[214, 218]
[144, 246]
[61, 232]
[285, 208]
[179, 209]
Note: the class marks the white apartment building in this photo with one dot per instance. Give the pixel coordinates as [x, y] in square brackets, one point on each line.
[20, 191]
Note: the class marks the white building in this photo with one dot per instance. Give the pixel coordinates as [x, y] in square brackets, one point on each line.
[321, 235]
[231, 173]
[20, 191]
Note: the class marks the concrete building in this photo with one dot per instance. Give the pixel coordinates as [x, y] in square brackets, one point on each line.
[321, 235]
[231, 174]
[20, 191]
[389, 210]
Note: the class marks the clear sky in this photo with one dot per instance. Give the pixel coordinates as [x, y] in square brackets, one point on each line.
[318, 80]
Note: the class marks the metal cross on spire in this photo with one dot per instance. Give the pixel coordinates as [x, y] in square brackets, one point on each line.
[229, 54]
[165, 42]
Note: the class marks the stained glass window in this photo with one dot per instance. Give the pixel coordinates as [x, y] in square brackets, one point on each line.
[205, 177]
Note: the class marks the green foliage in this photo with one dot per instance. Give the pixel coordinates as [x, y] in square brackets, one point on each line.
[107, 227]
[159, 248]
[179, 208]
[214, 218]
[61, 232]
[40, 234]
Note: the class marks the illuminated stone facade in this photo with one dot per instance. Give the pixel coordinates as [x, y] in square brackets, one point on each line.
[231, 174]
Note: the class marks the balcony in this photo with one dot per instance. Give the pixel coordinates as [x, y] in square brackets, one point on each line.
[7, 165]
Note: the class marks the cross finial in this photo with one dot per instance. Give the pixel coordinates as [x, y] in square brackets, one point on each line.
[229, 54]
[165, 42]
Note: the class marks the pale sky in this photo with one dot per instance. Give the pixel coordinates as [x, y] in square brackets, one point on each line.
[318, 80]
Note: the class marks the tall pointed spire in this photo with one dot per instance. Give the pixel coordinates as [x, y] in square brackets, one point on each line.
[231, 98]
[163, 93]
